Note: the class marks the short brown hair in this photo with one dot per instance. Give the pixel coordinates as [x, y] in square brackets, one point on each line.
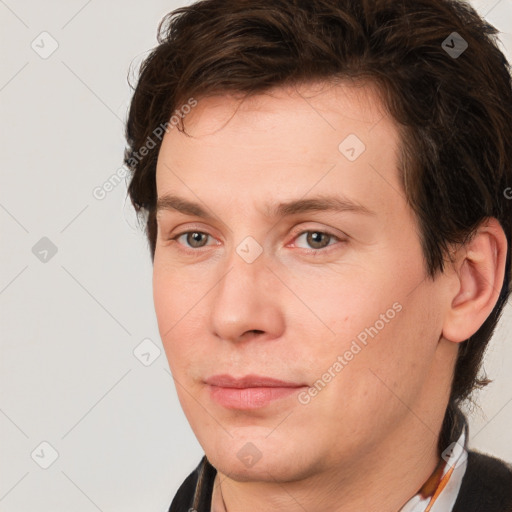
[454, 111]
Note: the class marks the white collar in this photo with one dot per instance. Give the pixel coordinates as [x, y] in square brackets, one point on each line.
[445, 496]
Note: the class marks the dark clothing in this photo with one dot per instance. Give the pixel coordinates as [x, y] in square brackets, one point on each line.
[486, 486]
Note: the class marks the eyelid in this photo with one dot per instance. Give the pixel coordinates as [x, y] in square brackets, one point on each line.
[304, 228]
[187, 228]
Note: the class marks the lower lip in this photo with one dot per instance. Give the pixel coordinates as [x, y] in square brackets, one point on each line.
[249, 398]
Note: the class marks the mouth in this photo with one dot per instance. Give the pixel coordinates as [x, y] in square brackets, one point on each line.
[249, 392]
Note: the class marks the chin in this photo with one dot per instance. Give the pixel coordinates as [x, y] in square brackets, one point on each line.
[261, 460]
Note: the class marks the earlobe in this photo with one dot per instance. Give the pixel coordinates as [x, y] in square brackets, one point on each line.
[480, 270]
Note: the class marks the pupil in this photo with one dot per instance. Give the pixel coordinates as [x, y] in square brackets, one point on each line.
[316, 237]
[196, 237]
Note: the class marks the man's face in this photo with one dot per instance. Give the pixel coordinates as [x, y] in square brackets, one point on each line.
[332, 300]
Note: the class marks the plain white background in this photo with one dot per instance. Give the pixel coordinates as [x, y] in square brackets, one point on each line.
[114, 435]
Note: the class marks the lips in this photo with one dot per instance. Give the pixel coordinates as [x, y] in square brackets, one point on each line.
[249, 392]
[250, 381]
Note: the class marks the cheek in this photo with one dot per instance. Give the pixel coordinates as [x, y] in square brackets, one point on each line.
[380, 378]
[171, 306]
[378, 328]
[392, 365]
[341, 305]
[163, 299]
[175, 293]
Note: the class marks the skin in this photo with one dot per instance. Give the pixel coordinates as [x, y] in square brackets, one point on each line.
[368, 440]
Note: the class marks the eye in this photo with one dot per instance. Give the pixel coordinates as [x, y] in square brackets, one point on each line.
[193, 239]
[317, 239]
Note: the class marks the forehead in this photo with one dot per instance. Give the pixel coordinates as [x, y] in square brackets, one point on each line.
[282, 143]
[356, 101]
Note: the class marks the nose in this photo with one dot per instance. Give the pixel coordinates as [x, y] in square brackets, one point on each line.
[246, 302]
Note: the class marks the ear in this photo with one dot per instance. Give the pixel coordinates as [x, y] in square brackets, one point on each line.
[479, 270]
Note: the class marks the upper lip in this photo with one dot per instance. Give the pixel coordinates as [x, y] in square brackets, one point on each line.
[249, 381]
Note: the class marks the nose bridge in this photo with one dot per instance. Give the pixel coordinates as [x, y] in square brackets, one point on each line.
[243, 301]
[246, 266]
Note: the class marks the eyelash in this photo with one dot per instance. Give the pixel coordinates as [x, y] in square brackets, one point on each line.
[297, 235]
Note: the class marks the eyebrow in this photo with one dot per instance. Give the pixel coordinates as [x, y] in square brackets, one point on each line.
[315, 204]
